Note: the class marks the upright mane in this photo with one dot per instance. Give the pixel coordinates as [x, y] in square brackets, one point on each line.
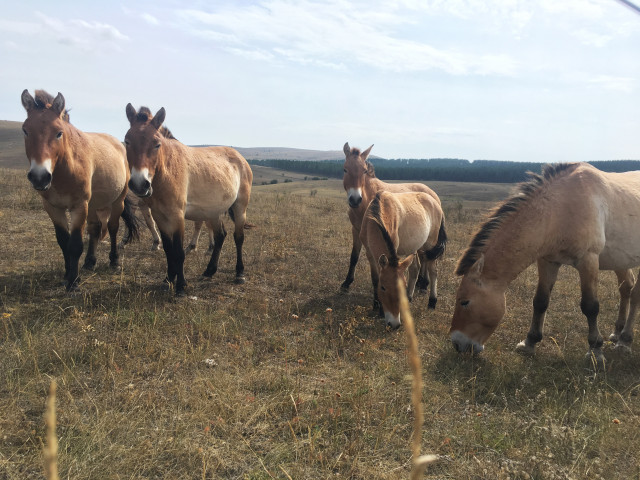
[144, 115]
[374, 213]
[524, 192]
[371, 171]
[44, 100]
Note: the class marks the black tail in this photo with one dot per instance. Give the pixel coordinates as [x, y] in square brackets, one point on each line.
[441, 244]
[130, 221]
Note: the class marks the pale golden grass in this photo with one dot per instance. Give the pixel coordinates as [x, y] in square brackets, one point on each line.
[50, 449]
[260, 380]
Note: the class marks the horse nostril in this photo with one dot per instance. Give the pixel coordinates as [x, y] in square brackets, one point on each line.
[146, 184]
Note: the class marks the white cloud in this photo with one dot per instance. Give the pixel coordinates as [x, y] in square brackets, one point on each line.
[620, 84]
[334, 34]
[150, 19]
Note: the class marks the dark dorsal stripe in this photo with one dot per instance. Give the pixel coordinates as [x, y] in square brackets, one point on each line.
[374, 214]
[510, 206]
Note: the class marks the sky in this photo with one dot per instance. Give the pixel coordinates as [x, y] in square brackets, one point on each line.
[521, 80]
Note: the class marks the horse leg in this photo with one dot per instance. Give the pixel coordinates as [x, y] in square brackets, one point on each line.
[172, 245]
[625, 286]
[414, 270]
[61, 225]
[93, 228]
[432, 280]
[423, 276]
[547, 275]
[75, 245]
[211, 240]
[240, 219]
[193, 243]
[355, 255]
[626, 334]
[219, 234]
[588, 269]
[113, 223]
[151, 225]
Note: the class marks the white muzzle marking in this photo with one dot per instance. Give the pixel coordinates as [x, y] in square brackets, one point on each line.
[462, 343]
[393, 322]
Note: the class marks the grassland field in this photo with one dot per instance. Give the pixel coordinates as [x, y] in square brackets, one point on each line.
[285, 377]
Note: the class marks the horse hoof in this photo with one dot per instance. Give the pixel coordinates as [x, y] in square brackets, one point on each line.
[623, 348]
[90, 266]
[189, 249]
[155, 246]
[239, 280]
[523, 349]
[596, 358]
[432, 303]
[614, 337]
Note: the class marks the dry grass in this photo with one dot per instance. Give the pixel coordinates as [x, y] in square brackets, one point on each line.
[284, 377]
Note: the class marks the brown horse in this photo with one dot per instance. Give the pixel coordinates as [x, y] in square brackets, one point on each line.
[145, 211]
[84, 174]
[178, 182]
[572, 214]
[361, 185]
[396, 224]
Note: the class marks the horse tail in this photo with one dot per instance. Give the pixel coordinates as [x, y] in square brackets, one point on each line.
[441, 244]
[247, 225]
[130, 221]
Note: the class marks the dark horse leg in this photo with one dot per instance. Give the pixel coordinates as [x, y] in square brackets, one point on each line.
[219, 234]
[355, 255]
[547, 275]
[172, 245]
[588, 268]
[94, 228]
[70, 242]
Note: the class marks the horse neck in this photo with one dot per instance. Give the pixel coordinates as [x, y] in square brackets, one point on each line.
[372, 185]
[516, 244]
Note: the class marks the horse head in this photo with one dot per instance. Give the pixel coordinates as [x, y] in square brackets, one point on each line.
[143, 142]
[480, 306]
[390, 272]
[356, 168]
[44, 135]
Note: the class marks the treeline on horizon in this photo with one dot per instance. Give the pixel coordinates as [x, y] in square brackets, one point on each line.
[445, 169]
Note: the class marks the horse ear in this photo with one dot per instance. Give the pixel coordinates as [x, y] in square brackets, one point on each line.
[383, 261]
[366, 153]
[346, 148]
[131, 113]
[476, 268]
[58, 104]
[158, 119]
[27, 101]
[406, 263]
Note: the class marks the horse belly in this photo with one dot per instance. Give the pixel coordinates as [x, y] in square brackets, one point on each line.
[411, 238]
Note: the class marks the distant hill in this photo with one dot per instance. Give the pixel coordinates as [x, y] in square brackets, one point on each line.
[12, 145]
[12, 149]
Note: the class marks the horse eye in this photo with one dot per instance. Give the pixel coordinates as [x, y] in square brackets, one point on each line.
[59, 135]
[382, 288]
[464, 303]
[345, 170]
[157, 146]
[126, 142]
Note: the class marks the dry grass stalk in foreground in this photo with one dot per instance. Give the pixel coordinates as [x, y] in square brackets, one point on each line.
[51, 447]
[419, 463]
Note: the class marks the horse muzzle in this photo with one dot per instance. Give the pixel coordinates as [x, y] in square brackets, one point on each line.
[354, 202]
[464, 344]
[142, 189]
[40, 180]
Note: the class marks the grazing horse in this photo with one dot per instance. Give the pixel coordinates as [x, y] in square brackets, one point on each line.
[572, 214]
[361, 185]
[145, 211]
[396, 224]
[84, 174]
[178, 182]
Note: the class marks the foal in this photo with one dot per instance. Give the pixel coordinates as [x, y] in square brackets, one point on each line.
[84, 174]
[400, 224]
[178, 182]
[361, 185]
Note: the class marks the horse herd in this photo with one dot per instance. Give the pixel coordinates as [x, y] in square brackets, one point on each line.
[571, 214]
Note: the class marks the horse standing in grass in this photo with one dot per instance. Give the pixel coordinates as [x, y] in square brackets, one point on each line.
[178, 182]
[394, 224]
[361, 185]
[572, 214]
[84, 174]
[145, 211]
